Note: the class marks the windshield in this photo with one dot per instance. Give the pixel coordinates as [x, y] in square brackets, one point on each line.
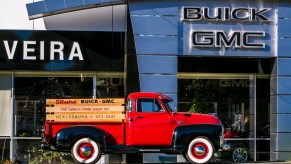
[166, 103]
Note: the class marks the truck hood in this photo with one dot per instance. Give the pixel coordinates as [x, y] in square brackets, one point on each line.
[184, 118]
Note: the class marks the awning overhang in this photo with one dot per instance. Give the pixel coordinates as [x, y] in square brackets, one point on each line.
[46, 8]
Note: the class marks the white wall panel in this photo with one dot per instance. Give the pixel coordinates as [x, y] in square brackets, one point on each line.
[13, 16]
[5, 105]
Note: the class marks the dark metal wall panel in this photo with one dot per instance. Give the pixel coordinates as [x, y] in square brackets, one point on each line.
[284, 87]
[284, 26]
[155, 25]
[73, 3]
[109, 18]
[91, 2]
[284, 9]
[36, 8]
[52, 5]
[158, 83]
[284, 47]
[283, 66]
[280, 156]
[281, 143]
[280, 118]
[151, 7]
[157, 64]
[156, 44]
[280, 123]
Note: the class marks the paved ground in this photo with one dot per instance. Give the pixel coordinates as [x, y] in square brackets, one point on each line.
[249, 162]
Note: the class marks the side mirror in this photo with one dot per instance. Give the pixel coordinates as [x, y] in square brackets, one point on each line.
[175, 110]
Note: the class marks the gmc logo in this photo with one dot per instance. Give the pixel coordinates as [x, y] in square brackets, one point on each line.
[237, 39]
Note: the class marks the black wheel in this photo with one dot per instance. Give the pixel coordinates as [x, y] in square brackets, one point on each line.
[240, 155]
[86, 150]
[200, 150]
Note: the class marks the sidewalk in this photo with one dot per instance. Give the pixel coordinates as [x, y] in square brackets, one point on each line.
[249, 162]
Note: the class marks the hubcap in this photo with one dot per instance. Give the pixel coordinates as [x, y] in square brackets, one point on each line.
[240, 155]
[86, 150]
[199, 150]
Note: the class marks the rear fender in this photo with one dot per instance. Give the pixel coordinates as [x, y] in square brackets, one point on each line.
[65, 138]
[184, 134]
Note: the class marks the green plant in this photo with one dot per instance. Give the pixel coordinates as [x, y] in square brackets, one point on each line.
[203, 94]
[6, 162]
[44, 156]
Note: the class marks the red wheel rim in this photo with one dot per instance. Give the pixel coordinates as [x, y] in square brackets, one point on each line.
[200, 150]
[86, 150]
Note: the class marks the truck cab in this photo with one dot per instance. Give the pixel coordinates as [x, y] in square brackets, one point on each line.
[149, 125]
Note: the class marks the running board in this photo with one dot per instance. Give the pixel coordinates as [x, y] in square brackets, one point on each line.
[149, 150]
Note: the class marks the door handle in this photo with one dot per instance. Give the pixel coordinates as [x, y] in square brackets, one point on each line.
[130, 119]
[138, 116]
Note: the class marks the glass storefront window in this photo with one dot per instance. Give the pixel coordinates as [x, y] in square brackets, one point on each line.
[234, 98]
[5, 149]
[31, 91]
[110, 86]
[30, 95]
[231, 99]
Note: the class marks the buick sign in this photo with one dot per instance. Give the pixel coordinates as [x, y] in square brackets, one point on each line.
[218, 38]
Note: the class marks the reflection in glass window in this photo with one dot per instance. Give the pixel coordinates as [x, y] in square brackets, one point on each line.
[110, 87]
[30, 95]
[5, 149]
[229, 99]
[148, 105]
[29, 151]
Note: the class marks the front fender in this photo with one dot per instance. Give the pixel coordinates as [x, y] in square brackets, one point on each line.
[66, 137]
[184, 134]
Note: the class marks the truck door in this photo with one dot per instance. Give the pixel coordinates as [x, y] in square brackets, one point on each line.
[150, 123]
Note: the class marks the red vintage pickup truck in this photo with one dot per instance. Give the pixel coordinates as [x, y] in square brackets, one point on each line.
[146, 123]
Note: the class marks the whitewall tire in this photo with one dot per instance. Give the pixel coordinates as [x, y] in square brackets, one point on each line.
[200, 150]
[86, 150]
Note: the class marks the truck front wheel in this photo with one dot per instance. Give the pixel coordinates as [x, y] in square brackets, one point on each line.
[200, 150]
[86, 150]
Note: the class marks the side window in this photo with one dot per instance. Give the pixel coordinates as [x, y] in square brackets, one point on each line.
[129, 105]
[148, 105]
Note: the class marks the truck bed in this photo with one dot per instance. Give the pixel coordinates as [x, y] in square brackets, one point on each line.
[114, 130]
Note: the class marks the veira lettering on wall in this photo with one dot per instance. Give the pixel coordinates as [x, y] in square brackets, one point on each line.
[55, 50]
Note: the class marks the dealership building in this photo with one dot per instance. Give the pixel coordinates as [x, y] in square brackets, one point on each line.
[228, 58]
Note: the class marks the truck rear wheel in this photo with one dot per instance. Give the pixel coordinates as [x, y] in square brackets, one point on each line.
[86, 150]
[200, 150]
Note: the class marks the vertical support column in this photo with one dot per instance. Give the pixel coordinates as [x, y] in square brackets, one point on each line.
[255, 118]
[12, 147]
[280, 118]
[155, 32]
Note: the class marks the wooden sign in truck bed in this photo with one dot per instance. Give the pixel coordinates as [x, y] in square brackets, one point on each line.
[85, 110]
